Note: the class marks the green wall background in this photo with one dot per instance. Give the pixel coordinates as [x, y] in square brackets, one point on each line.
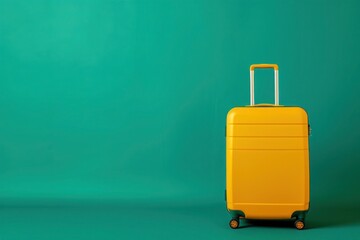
[126, 100]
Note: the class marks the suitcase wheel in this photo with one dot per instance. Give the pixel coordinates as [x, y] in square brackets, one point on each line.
[299, 224]
[234, 223]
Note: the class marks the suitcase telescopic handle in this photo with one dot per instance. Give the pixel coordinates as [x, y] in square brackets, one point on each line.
[276, 81]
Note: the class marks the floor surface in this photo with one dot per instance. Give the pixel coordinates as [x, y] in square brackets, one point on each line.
[162, 221]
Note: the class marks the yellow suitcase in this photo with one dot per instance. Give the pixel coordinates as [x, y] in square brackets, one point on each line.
[267, 160]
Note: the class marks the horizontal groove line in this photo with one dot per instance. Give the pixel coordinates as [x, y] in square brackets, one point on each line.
[272, 204]
[264, 149]
[268, 136]
[305, 124]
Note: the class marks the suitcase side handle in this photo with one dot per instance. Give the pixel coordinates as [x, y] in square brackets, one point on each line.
[276, 81]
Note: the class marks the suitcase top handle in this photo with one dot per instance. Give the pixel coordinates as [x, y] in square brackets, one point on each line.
[276, 81]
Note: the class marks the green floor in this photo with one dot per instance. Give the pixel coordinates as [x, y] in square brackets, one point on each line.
[137, 220]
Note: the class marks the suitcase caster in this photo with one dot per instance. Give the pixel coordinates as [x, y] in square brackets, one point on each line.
[234, 223]
[299, 224]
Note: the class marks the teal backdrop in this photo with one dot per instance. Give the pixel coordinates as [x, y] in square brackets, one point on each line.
[112, 113]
